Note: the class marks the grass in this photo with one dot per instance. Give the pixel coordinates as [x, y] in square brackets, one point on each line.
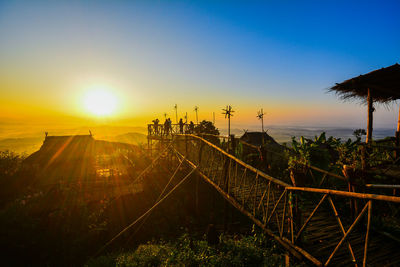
[255, 250]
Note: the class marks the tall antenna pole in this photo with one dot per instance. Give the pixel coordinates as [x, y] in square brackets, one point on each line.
[260, 116]
[196, 108]
[228, 113]
[186, 118]
[176, 112]
[262, 121]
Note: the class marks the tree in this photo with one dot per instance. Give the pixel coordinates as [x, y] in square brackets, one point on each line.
[207, 128]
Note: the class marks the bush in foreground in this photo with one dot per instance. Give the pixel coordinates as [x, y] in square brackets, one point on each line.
[246, 251]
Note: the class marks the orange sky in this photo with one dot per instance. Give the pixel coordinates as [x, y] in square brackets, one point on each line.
[151, 57]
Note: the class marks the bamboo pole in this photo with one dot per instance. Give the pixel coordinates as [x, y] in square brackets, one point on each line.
[262, 198]
[398, 121]
[291, 217]
[255, 196]
[367, 234]
[346, 194]
[293, 249]
[262, 174]
[397, 136]
[309, 217]
[283, 215]
[388, 186]
[276, 205]
[370, 116]
[353, 258]
[347, 234]
[267, 207]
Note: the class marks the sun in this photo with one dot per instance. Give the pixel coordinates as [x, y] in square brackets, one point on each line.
[100, 102]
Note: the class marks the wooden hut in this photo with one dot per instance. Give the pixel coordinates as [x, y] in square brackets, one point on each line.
[381, 86]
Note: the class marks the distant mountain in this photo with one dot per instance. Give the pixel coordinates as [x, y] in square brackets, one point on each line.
[29, 140]
[130, 138]
[21, 145]
[284, 133]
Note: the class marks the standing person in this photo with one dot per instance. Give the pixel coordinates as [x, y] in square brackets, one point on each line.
[169, 125]
[166, 127]
[181, 126]
[156, 121]
[191, 127]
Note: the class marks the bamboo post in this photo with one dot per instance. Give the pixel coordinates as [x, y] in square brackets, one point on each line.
[176, 112]
[287, 259]
[291, 216]
[370, 116]
[225, 188]
[397, 143]
[233, 144]
[367, 234]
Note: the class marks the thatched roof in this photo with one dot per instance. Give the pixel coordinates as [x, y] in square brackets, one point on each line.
[384, 85]
[256, 138]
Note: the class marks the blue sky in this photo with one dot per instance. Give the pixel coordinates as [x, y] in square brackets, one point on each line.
[280, 55]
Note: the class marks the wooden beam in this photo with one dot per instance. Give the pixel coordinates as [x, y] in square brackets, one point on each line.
[262, 174]
[397, 136]
[293, 249]
[398, 121]
[370, 116]
[388, 186]
[367, 234]
[346, 194]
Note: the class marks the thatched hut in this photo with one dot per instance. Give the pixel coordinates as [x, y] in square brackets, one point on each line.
[382, 86]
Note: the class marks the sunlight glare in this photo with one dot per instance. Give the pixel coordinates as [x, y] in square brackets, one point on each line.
[100, 102]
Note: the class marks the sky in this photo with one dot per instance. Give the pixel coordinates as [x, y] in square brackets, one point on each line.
[281, 56]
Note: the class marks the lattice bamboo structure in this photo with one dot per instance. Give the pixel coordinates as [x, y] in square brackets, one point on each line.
[309, 222]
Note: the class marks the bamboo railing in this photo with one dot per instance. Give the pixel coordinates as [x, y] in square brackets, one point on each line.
[309, 222]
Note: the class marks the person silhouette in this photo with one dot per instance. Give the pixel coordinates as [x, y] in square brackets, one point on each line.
[191, 127]
[156, 121]
[166, 127]
[181, 126]
[170, 125]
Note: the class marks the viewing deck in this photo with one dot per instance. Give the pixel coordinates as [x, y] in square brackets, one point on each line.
[159, 131]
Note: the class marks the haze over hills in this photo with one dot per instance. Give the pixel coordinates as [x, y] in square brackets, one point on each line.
[16, 139]
[30, 140]
[285, 133]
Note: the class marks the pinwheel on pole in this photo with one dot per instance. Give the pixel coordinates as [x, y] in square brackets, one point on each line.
[176, 112]
[196, 108]
[228, 113]
[260, 116]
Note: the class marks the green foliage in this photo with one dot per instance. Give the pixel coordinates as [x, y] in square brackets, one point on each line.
[349, 153]
[359, 133]
[34, 224]
[207, 127]
[320, 152]
[253, 250]
[10, 163]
